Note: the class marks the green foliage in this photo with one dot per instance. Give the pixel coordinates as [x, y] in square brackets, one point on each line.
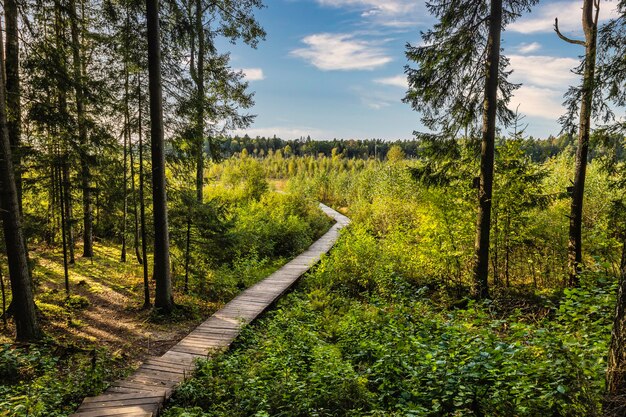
[77, 302]
[274, 226]
[334, 349]
[246, 178]
[240, 232]
[425, 210]
[383, 320]
[49, 380]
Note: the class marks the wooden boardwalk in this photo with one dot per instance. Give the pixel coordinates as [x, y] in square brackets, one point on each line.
[144, 392]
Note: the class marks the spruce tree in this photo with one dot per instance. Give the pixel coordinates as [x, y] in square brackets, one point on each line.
[581, 98]
[26, 324]
[14, 107]
[162, 275]
[461, 80]
[611, 83]
[83, 140]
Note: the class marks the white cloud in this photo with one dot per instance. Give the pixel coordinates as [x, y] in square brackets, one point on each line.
[541, 19]
[527, 48]
[547, 71]
[328, 51]
[375, 98]
[253, 74]
[545, 79]
[283, 132]
[372, 7]
[542, 102]
[397, 14]
[396, 81]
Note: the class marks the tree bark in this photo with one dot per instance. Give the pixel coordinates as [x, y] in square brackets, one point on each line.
[68, 210]
[162, 274]
[50, 213]
[124, 186]
[483, 222]
[134, 203]
[576, 210]
[82, 134]
[4, 299]
[142, 205]
[14, 107]
[494, 263]
[187, 253]
[26, 324]
[615, 399]
[62, 198]
[200, 103]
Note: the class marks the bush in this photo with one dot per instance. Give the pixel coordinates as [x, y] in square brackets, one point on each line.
[359, 340]
[49, 380]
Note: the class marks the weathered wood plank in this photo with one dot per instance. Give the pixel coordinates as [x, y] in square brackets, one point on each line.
[158, 375]
[193, 350]
[176, 367]
[119, 403]
[140, 387]
[143, 393]
[119, 397]
[135, 410]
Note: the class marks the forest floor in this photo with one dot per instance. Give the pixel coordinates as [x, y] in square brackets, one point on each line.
[100, 332]
[105, 307]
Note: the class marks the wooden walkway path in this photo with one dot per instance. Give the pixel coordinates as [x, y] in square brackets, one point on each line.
[144, 392]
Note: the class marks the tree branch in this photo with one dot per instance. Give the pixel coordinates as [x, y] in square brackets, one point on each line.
[565, 38]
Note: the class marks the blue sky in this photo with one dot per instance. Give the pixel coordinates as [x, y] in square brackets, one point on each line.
[334, 68]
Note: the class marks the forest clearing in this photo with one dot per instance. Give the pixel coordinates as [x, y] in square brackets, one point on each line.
[167, 252]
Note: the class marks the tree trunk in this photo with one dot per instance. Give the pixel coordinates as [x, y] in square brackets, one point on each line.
[14, 107]
[615, 399]
[82, 134]
[134, 202]
[187, 253]
[62, 198]
[26, 324]
[51, 204]
[200, 103]
[494, 263]
[162, 275]
[507, 251]
[61, 167]
[576, 211]
[483, 222]
[124, 185]
[4, 299]
[142, 205]
[68, 210]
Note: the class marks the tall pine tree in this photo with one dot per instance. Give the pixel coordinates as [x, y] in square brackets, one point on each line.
[26, 324]
[581, 98]
[611, 80]
[461, 79]
[162, 275]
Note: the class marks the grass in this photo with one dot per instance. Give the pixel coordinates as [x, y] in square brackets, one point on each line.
[100, 331]
[97, 334]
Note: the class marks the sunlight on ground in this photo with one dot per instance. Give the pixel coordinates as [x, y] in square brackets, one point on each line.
[104, 306]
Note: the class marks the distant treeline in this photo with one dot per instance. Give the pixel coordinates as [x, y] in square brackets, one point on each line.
[538, 150]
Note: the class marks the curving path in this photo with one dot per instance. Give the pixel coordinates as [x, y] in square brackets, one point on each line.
[143, 393]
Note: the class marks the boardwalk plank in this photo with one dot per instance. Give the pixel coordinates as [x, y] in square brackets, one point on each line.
[136, 411]
[140, 387]
[143, 393]
[118, 397]
[119, 403]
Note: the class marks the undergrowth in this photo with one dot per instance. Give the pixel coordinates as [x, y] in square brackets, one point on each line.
[360, 339]
[52, 378]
